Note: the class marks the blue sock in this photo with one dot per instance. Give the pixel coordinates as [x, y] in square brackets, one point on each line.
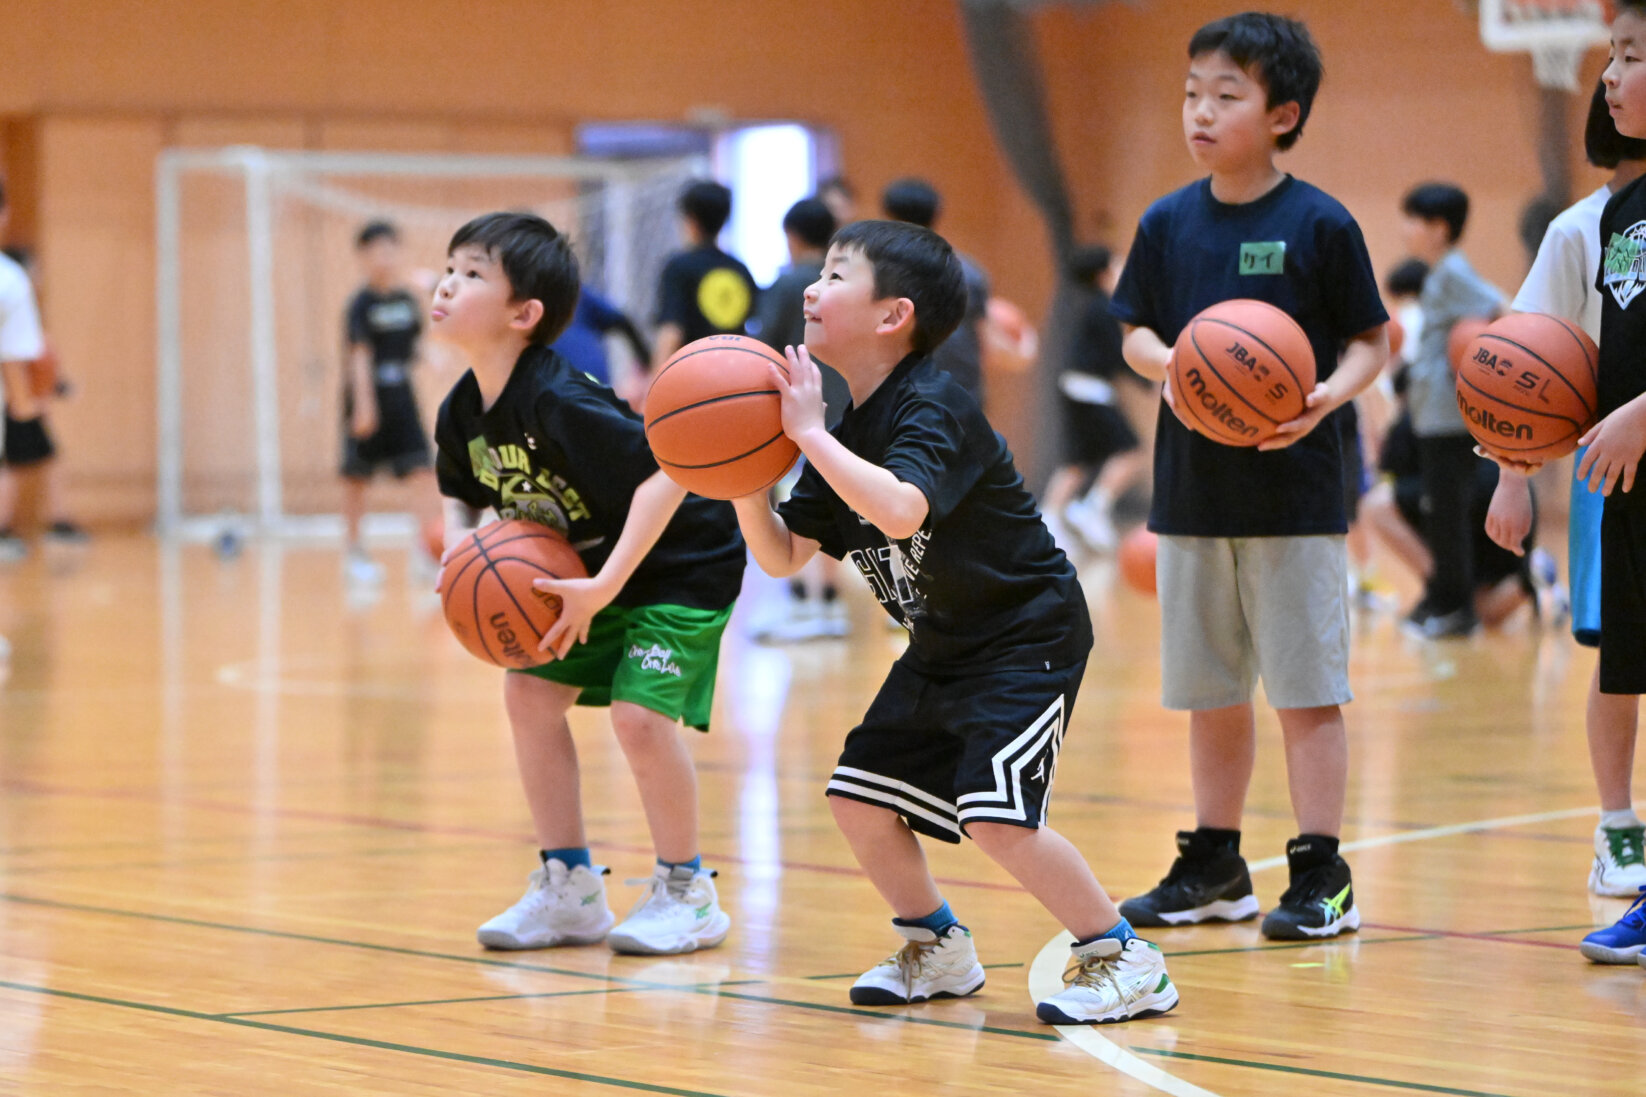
[695, 864]
[937, 921]
[1121, 932]
[571, 856]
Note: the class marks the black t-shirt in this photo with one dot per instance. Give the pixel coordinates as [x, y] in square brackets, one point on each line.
[1097, 341]
[1298, 249]
[705, 292]
[981, 585]
[389, 324]
[1620, 281]
[560, 449]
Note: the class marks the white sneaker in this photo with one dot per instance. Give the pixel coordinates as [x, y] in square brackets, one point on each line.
[1620, 862]
[1092, 525]
[680, 912]
[560, 907]
[928, 966]
[836, 623]
[1109, 982]
[362, 569]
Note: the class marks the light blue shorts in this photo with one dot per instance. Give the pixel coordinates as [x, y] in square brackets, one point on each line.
[1583, 556]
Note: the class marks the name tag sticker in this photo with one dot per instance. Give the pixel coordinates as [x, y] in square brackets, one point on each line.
[1268, 257]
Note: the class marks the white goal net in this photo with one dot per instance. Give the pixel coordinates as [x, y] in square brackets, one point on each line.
[257, 264]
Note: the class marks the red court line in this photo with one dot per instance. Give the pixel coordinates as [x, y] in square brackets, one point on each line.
[1492, 937]
[377, 822]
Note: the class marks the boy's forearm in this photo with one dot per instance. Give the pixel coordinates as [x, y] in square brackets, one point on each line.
[14, 386]
[1362, 361]
[360, 379]
[771, 542]
[650, 510]
[669, 339]
[1146, 352]
[895, 508]
[459, 520]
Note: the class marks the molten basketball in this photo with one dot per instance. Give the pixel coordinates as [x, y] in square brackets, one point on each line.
[714, 420]
[1526, 387]
[1135, 558]
[1462, 334]
[1239, 370]
[487, 592]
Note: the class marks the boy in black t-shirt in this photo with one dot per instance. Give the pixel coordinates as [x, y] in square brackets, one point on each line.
[1252, 566]
[918, 491]
[702, 291]
[530, 437]
[381, 422]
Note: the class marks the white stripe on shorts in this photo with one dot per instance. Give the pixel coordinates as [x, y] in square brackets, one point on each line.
[897, 794]
[1045, 734]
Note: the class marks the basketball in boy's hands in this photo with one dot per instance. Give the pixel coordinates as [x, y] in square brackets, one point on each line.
[1526, 387]
[714, 418]
[1239, 370]
[1462, 334]
[1135, 557]
[487, 593]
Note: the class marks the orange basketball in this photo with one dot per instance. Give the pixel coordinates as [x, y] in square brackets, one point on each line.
[1462, 334]
[714, 420]
[1526, 387]
[1135, 558]
[488, 596]
[1240, 369]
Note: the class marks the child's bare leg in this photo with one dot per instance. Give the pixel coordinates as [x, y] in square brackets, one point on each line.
[354, 507]
[1613, 720]
[890, 855]
[665, 776]
[1222, 752]
[1053, 871]
[1317, 766]
[547, 757]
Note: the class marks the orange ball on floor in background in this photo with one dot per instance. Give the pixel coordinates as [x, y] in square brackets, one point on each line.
[714, 418]
[1136, 560]
[487, 593]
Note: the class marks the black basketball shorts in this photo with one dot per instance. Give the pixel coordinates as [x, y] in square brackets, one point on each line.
[27, 442]
[1623, 599]
[948, 752]
[1093, 433]
[399, 442]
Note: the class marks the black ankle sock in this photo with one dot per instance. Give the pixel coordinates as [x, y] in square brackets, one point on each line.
[1308, 851]
[1219, 840]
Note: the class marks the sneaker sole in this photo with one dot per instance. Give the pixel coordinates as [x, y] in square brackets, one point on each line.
[707, 937]
[879, 996]
[1153, 1005]
[1289, 931]
[504, 941]
[1605, 954]
[1243, 909]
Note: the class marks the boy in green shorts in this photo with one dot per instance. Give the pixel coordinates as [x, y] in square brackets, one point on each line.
[528, 436]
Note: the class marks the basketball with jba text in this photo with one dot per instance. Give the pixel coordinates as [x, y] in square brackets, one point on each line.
[486, 590]
[1526, 387]
[714, 417]
[1239, 370]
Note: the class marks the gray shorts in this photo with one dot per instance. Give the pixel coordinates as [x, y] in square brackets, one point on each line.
[1234, 609]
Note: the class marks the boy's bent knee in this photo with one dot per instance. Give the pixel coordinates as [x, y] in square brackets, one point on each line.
[995, 838]
[638, 725]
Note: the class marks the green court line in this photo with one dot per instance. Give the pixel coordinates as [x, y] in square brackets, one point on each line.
[360, 1041]
[484, 998]
[1335, 943]
[855, 974]
[854, 1011]
[1281, 1068]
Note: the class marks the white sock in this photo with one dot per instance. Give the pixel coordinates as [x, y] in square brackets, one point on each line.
[1617, 820]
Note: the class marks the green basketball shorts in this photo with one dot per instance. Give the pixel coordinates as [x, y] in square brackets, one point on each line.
[659, 657]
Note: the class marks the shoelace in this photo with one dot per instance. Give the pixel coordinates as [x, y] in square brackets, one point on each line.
[1635, 916]
[1094, 972]
[910, 960]
[1626, 844]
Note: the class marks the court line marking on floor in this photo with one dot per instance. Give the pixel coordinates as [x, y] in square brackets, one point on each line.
[1046, 971]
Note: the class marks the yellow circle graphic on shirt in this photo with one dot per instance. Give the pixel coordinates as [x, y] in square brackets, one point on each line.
[723, 298]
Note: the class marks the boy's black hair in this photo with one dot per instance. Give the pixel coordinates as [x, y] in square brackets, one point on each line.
[1637, 7]
[1602, 144]
[18, 254]
[914, 262]
[376, 230]
[810, 220]
[839, 183]
[1438, 202]
[537, 260]
[1405, 278]
[708, 205]
[1279, 51]
[912, 200]
[1088, 263]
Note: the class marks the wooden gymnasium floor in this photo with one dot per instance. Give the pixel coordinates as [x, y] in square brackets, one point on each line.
[247, 829]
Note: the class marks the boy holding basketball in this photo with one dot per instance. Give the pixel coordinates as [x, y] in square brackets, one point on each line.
[1252, 567]
[528, 436]
[919, 492]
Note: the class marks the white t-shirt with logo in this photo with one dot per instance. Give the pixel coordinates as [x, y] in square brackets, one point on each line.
[1562, 279]
[20, 338]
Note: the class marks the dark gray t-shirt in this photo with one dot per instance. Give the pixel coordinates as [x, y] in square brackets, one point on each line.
[1451, 292]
